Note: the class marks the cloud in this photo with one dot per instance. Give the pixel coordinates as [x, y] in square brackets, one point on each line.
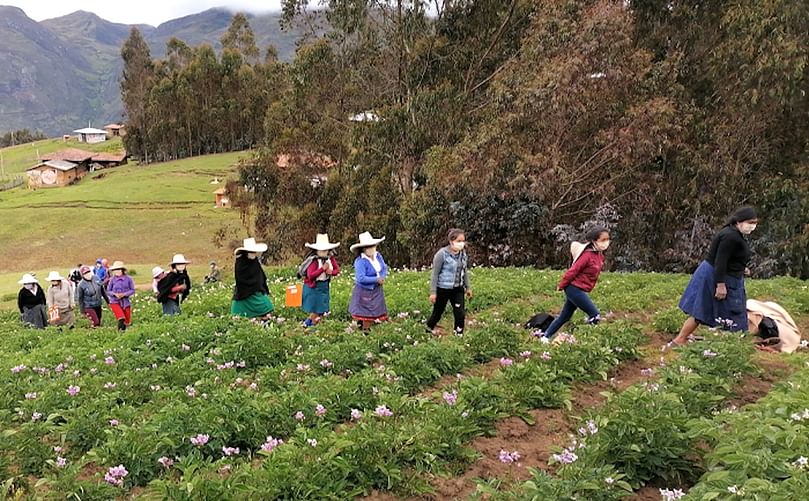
[151, 12]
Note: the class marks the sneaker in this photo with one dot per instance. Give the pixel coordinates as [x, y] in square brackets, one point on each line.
[544, 339]
[121, 325]
[308, 323]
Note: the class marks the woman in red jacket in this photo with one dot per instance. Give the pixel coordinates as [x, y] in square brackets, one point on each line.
[580, 279]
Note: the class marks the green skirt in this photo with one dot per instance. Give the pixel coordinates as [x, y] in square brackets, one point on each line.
[257, 305]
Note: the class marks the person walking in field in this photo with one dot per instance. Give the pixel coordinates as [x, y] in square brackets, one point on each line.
[251, 296]
[31, 303]
[450, 281]
[368, 297]
[317, 275]
[90, 296]
[175, 286]
[120, 290]
[60, 299]
[716, 296]
[580, 279]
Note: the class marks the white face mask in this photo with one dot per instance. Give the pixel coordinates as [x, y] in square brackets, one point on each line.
[323, 254]
[118, 273]
[30, 287]
[602, 246]
[252, 255]
[458, 246]
[747, 228]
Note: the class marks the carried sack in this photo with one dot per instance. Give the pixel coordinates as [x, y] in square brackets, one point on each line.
[53, 314]
[305, 266]
[540, 321]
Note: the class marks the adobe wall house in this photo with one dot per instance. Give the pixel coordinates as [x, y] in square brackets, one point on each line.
[55, 173]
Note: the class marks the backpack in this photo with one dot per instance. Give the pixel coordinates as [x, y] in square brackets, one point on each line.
[540, 321]
[305, 266]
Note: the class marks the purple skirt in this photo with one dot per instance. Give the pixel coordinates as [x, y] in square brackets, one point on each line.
[699, 302]
[368, 305]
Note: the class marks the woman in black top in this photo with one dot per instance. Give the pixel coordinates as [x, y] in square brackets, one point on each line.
[715, 296]
[31, 303]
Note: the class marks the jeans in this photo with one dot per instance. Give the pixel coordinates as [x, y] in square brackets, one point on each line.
[456, 296]
[575, 298]
[171, 307]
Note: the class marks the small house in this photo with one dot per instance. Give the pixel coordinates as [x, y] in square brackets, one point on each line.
[74, 155]
[115, 130]
[106, 160]
[90, 135]
[55, 173]
[222, 200]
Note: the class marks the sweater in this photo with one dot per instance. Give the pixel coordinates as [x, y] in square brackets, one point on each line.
[28, 299]
[169, 287]
[729, 254]
[585, 271]
[315, 270]
[449, 270]
[367, 276]
[61, 297]
[91, 294]
[121, 285]
[250, 278]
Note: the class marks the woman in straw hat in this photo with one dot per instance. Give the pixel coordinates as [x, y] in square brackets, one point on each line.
[31, 302]
[90, 296]
[321, 268]
[173, 289]
[715, 295]
[581, 278]
[120, 289]
[60, 296]
[251, 296]
[368, 298]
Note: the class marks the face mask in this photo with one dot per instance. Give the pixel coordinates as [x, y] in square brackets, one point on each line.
[88, 276]
[458, 246]
[252, 255]
[30, 287]
[602, 246]
[322, 254]
[747, 228]
[370, 251]
[118, 273]
[180, 267]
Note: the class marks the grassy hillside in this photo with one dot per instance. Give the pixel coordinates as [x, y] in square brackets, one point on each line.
[17, 159]
[140, 215]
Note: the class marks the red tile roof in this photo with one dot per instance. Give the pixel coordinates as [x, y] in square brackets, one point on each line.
[109, 157]
[69, 154]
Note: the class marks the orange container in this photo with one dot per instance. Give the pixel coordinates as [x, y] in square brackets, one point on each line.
[294, 296]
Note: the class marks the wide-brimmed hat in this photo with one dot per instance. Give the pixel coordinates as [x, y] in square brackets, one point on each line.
[366, 240]
[28, 279]
[85, 269]
[118, 265]
[576, 249]
[179, 259]
[156, 271]
[54, 276]
[250, 245]
[322, 243]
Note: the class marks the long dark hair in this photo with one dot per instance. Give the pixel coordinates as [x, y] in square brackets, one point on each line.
[744, 213]
[593, 234]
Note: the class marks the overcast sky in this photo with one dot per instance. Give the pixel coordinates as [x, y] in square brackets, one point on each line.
[151, 12]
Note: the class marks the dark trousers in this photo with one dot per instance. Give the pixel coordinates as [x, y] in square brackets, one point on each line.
[575, 299]
[94, 315]
[456, 298]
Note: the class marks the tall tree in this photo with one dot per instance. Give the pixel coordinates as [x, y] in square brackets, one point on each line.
[136, 81]
[240, 38]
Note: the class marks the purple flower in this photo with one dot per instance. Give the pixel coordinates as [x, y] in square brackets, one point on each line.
[167, 462]
[31, 396]
[109, 361]
[190, 391]
[451, 398]
[57, 449]
[671, 494]
[320, 410]
[36, 416]
[299, 416]
[302, 367]
[525, 354]
[73, 390]
[17, 369]
[61, 462]
[356, 415]
[115, 475]
[566, 457]
[592, 427]
[253, 386]
[230, 451]
[326, 364]
[383, 411]
[114, 422]
[609, 480]
[271, 443]
[709, 354]
[110, 386]
[509, 457]
[646, 372]
[545, 355]
[200, 440]
[59, 368]
[505, 362]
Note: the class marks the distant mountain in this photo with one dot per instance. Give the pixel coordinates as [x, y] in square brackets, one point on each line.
[59, 74]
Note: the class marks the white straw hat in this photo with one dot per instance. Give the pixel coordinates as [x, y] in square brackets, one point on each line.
[157, 270]
[250, 245]
[322, 243]
[28, 279]
[54, 276]
[118, 265]
[366, 240]
[179, 259]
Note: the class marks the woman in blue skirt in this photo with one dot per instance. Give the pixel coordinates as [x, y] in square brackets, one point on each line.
[715, 296]
[321, 268]
[368, 298]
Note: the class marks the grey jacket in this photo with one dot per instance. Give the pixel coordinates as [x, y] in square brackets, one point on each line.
[449, 270]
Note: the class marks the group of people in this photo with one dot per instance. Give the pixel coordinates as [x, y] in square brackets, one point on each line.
[715, 295]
